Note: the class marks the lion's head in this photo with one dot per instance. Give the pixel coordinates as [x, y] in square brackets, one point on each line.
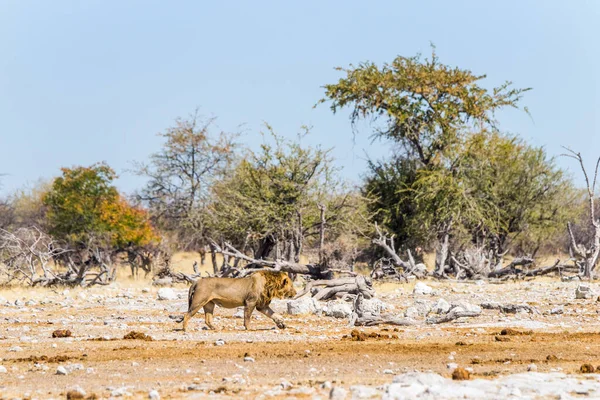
[277, 284]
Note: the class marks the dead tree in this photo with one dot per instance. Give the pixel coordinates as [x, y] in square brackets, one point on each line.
[29, 255]
[315, 271]
[408, 267]
[587, 253]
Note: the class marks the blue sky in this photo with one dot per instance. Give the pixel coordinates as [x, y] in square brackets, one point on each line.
[88, 81]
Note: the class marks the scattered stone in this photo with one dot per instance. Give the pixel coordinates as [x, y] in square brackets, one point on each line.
[76, 394]
[338, 393]
[15, 349]
[305, 305]
[239, 313]
[557, 310]
[388, 372]
[460, 374]
[551, 357]
[532, 368]
[2, 369]
[411, 312]
[219, 342]
[133, 335]
[338, 310]
[466, 306]
[153, 395]
[364, 392]
[441, 307]
[587, 369]
[358, 336]
[452, 366]
[166, 294]
[583, 291]
[61, 333]
[120, 392]
[375, 306]
[514, 332]
[502, 338]
[61, 370]
[249, 359]
[421, 288]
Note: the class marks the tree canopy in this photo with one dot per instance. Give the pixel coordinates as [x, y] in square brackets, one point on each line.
[423, 104]
[181, 174]
[83, 205]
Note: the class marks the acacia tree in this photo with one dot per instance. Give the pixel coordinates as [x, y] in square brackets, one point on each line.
[272, 200]
[424, 106]
[181, 174]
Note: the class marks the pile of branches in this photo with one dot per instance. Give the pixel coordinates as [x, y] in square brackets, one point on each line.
[392, 266]
[30, 256]
[343, 288]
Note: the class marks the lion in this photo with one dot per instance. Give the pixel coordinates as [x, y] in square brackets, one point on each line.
[254, 291]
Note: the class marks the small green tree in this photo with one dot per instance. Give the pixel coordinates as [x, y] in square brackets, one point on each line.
[272, 199]
[495, 192]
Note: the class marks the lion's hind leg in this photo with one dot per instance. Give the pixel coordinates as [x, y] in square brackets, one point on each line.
[208, 314]
[194, 306]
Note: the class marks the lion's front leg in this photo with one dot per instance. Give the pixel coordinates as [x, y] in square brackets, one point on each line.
[278, 319]
[248, 309]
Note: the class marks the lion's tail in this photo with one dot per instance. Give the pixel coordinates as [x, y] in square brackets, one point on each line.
[191, 294]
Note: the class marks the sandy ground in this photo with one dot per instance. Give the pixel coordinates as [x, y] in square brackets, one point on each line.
[314, 354]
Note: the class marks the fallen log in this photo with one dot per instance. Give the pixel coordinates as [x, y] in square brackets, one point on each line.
[452, 315]
[510, 308]
[361, 318]
[339, 288]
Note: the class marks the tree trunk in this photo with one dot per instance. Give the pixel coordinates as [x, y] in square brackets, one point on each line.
[213, 258]
[441, 254]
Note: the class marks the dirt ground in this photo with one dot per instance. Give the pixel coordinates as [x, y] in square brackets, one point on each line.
[305, 360]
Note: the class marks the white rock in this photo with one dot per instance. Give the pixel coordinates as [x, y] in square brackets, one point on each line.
[388, 372]
[248, 359]
[583, 291]
[465, 306]
[219, 342]
[166, 294]
[338, 310]
[79, 390]
[411, 312]
[15, 349]
[452, 366]
[364, 392]
[285, 385]
[2, 369]
[120, 392]
[421, 288]
[61, 370]
[375, 306]
[532, 368]
[338, 393]
[305, 305]
[153, 395]
[239, 313]
[441, 307]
